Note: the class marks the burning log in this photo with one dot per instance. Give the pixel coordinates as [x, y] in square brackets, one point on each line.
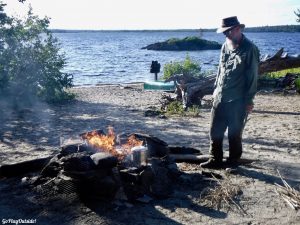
[191, 91]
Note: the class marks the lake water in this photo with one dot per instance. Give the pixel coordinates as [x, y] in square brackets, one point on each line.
[117, 57]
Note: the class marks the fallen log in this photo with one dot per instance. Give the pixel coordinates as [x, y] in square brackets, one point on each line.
[189, 158]
[183, 150]
[192, 90]
[21, 168]
[279, 61]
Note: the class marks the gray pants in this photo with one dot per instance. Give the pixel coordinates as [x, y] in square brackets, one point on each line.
[229, 115]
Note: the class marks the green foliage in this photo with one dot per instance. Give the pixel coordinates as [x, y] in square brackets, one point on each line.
[190, 40]
[185, 44]
[30, 60]
[281, 73]
[272, 79]
[192, 43]
[186, 67]
[297, 84]
[176, 108]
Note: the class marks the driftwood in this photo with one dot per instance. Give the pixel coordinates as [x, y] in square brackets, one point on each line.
[190, 90]
[290, 195]
[278, 62]
[189, 158]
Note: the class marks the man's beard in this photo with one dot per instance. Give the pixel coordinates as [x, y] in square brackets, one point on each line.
[233, 42]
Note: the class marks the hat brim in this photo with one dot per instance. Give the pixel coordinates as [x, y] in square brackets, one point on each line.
[223, 29]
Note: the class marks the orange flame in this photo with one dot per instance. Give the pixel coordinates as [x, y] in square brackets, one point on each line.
[107, 143]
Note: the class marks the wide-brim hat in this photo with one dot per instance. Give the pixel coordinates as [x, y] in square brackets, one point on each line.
[228, 23]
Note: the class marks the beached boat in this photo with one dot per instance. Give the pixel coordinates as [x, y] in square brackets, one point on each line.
[159, 85]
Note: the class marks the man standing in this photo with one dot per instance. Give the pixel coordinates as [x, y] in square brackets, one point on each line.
[234, 90]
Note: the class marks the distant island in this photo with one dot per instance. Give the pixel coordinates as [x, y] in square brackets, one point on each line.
[185, 44]
[279, 28]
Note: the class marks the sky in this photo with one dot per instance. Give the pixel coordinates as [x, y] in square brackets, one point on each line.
[157, 14]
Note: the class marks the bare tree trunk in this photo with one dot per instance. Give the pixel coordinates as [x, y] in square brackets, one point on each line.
[278, 62]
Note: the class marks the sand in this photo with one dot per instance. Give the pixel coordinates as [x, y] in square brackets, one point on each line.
[271, 142]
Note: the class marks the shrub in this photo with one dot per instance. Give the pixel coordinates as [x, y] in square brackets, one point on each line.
[297, 84]
[186, 67]
[30, 60]
[176, 108]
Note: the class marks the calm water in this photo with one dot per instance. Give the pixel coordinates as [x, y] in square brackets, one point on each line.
[116, 57]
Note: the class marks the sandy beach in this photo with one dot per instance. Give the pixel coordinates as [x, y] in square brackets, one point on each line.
[271, 143]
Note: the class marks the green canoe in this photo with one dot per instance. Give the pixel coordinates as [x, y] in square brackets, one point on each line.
[159, 85]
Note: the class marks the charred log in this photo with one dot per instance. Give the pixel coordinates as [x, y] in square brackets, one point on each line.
[21, 168]
[156, 146]
[183, 150]
[189, 158]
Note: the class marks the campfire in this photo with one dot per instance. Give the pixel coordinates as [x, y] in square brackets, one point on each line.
[107, 166]
[111, 143]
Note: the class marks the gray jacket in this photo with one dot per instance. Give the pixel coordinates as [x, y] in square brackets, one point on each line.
[237, 73]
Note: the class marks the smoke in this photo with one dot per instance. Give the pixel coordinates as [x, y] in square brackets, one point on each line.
[24, 118]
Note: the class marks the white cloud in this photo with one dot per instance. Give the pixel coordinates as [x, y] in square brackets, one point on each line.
[158, 14]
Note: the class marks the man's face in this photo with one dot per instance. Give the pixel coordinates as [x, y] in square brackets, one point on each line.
[233, 35]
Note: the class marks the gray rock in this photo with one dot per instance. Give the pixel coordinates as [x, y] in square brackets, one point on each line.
[78, 162]
[104, 160]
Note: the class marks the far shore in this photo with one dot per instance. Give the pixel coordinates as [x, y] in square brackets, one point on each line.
[273, 28]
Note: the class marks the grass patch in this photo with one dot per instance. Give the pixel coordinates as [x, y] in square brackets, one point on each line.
[297, 84]
[176, 108]
[281, 73]
[279, 79]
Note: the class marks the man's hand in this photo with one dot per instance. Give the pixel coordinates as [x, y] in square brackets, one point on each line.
[249, 108]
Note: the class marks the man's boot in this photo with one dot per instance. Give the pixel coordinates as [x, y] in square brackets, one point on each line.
[211, 164]
[232, 162]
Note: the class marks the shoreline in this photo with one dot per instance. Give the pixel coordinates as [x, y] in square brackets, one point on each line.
[108, 84]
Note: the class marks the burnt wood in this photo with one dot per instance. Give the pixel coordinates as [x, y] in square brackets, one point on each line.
[156, 147]
[78, 162]
[104, 160]
[18, 169]
[189, 158]
[183, 150]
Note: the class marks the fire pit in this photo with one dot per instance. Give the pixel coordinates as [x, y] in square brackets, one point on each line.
[131, 167]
